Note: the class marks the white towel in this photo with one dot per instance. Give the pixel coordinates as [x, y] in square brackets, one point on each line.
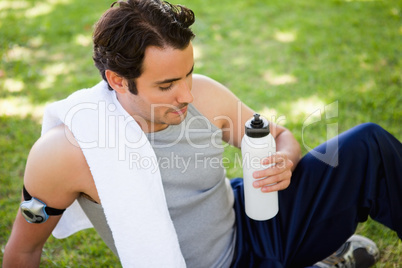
[131, 192]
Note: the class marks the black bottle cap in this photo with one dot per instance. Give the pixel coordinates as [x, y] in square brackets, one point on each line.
[257, 127]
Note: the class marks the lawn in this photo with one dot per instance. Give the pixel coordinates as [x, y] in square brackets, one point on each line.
[316, 67]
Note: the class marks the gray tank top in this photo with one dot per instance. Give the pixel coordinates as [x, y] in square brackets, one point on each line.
[199, 198]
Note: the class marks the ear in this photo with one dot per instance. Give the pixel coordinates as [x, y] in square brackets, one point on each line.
[118, 83]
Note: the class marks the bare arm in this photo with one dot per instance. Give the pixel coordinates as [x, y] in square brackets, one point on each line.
[229, 113]
[24, 247]
[56, 173]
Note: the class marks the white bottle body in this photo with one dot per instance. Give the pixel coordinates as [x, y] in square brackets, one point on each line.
[259, 206]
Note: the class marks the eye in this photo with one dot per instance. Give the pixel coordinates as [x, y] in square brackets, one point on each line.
[166, 88]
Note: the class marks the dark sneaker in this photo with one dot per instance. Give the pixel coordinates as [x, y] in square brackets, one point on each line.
[357, 252]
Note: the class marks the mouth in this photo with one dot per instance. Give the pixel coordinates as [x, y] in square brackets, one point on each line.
[180, 111]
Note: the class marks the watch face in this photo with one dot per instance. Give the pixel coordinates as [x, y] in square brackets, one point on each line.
[31, 217]
[34, 211]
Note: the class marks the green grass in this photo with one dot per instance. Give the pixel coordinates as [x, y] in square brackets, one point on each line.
[285, 59]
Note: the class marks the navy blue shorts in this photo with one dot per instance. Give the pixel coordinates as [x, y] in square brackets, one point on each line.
[325, 201]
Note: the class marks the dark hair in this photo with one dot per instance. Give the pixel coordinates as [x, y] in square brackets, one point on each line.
[124, 32]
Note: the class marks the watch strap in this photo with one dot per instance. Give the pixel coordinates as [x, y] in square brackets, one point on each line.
[49, 210]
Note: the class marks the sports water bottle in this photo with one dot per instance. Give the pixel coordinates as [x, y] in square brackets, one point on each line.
[257, 143]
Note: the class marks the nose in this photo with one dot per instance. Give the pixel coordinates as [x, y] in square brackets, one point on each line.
[184, 93]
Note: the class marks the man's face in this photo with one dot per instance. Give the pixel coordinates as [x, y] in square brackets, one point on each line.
[164, 88]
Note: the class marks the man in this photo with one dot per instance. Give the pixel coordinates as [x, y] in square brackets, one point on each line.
[144, 53]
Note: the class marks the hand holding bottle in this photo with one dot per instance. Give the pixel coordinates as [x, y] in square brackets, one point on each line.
[276, 177]
[265, 171]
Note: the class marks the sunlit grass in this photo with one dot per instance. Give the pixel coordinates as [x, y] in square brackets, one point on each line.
[289, 60]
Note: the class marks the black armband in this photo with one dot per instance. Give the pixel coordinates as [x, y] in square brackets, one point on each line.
[36, 211]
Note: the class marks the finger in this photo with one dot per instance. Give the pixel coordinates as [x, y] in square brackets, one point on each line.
[280, 185]
[274, 159]
[274, 170]
[271, 171]
[286, 175]
[280, 161]
[276, 187]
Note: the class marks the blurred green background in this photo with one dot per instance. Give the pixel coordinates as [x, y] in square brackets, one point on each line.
[305, 64]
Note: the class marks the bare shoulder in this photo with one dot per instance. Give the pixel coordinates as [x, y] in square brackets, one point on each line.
[213, 99]
[206, 88]
[56, 173]
[221, 107]
[56, 170]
